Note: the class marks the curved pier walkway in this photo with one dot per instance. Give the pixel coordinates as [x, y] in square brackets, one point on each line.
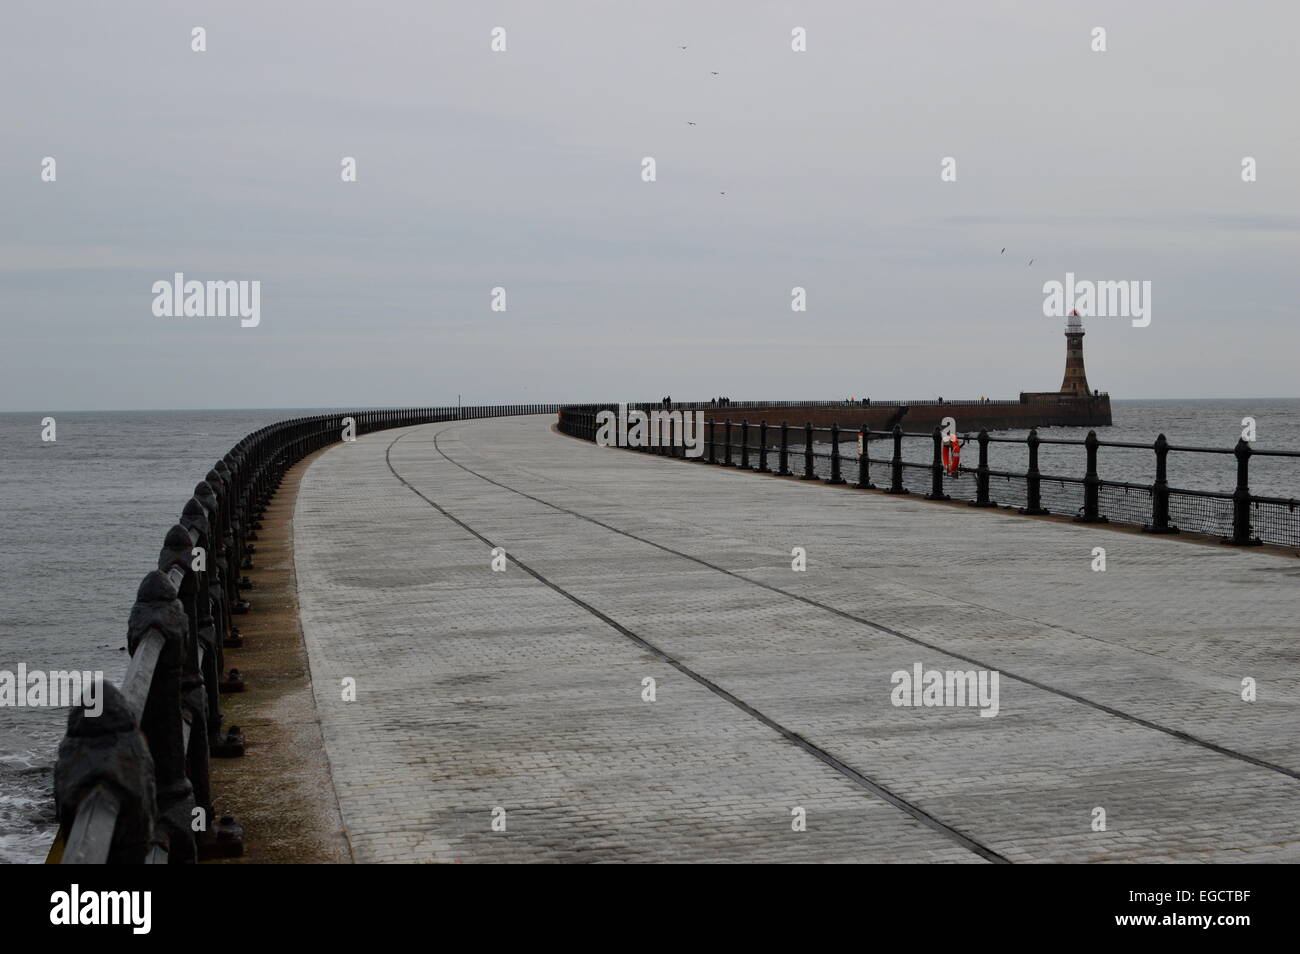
[519, 697]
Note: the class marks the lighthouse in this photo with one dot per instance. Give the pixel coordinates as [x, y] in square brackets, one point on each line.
[1075, 382]
[1075, 405]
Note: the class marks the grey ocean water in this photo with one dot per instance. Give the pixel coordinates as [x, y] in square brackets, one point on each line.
[84, 518]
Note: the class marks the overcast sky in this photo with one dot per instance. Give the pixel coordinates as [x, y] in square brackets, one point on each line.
[522, 169]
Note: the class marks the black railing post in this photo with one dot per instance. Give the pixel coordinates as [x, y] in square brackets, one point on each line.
[896, 465]
[177, 553]
[864, 459]
[808, 472]
[158, 608]
[101, 751]
[835, 477]
[1033, 488]
[205, 493]
[936, 468]
[783, 459]
[982, 474]
[744, 444]
[762, 448]
[1160, 491]
[726, 435]
[1241, 529]
[712, 446]
[1091, 485]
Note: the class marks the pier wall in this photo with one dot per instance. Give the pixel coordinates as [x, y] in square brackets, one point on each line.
[969, 415]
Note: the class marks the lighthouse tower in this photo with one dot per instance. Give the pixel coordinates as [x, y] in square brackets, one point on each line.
[1076, 379]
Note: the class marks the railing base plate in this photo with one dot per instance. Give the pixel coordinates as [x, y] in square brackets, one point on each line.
[229, 746]
[226, 840]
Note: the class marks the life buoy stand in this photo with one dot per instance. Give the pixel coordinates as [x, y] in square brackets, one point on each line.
[952, 455]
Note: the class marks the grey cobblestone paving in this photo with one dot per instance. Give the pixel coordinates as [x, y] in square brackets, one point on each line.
[479, 689]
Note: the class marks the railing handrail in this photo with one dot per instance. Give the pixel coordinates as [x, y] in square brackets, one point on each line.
[580, 421]
[1067, 441]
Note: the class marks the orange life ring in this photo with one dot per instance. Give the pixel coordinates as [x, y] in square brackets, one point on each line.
[952, 455]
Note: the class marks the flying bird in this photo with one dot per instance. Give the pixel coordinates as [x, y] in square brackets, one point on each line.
[1031, 261]
[722, 193]
[681, 48]
[1003, 252]
[714, 72]
[689, 123]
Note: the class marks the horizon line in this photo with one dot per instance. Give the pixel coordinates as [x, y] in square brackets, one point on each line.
[394, 407]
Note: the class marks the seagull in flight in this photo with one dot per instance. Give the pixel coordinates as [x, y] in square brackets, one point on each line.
[681, 48]
[722, 193]
[714, 72]
[689, 123]
[1003, 252]
[1031, 261]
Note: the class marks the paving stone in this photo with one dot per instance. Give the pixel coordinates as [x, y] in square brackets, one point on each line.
[479, 689]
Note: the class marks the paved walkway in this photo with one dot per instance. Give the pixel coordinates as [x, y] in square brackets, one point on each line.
[522, 690]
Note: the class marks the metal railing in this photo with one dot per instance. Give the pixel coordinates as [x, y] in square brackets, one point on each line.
[131, 784]
[1237, 516]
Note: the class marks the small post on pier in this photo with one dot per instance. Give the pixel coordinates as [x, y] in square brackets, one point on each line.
[1091, 485]
[712, 446]
[835, 477]
[864, 459]
[1033, 488]
[784, 457]
[1160, 492]
[106, 757]
[177, 554]
[982, 474]
[762, 448]
[726, 434]
[808, 472]
[158, 610]
[1241, 529]
[219, 608]
[744, 444]
[936, 469]
[896, 465]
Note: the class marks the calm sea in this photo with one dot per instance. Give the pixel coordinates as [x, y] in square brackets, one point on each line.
[84, 518]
